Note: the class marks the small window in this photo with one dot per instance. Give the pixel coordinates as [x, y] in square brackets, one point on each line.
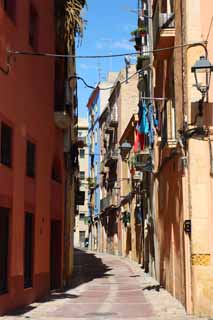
[4, 239]
[31, 155]
[56, 173]
[33, 27]
[82, 175]
[82, 153]
[10, 8]
[6, 145]
[81, 216]
[28, 250]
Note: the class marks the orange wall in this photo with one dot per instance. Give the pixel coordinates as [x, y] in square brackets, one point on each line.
[169, 229]
[27, 103]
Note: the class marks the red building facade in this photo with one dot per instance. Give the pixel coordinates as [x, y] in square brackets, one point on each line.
[32, 173]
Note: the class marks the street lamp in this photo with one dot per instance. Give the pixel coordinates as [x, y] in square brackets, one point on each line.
[202, 72]
[125, 147]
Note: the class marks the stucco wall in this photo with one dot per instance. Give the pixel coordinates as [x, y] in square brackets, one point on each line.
[27, 105]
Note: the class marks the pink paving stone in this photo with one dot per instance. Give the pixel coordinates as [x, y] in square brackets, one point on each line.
[132, 310]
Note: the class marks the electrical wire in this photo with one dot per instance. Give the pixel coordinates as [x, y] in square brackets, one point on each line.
[55, 55]
[210, 26]
[112, 87]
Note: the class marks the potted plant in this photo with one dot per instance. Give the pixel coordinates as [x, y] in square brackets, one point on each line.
[140, 60]
[139, 32]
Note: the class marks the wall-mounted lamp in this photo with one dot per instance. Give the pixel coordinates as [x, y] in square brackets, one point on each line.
[125, 148]
[202, 72]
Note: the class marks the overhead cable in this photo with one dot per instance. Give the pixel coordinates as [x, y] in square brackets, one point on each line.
[112, 87]
[56, 55]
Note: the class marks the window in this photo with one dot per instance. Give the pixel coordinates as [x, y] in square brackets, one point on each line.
[81, 216]
[33, 27]
[82, 175]
[31, 154]
[82, 235]
[10, 8]
[56, 174]
[82, 153]
[4, 239]
[28, 250]
[6, 145]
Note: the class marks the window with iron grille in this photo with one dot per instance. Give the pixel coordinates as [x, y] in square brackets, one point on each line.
[10, 8]
[33, 27]
[4, 240]
[82, 153]
[82, 175]
[31, 155]
[28, 250]
[81, 216]
[6, 145]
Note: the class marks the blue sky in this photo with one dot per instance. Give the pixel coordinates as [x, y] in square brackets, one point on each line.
[108, 28]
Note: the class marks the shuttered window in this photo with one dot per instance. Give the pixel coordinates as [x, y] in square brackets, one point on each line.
[28, 250]
[10, 8]
[4, 240]
[31, 155]
[6, 145]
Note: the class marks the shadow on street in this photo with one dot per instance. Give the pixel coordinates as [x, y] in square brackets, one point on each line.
[86, 268]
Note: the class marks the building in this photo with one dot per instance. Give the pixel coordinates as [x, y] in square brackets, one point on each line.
[96, 104]
[176, 237]
[182, 185]
[81, 219]
[36, 113]
[122, 103]
[94, 168]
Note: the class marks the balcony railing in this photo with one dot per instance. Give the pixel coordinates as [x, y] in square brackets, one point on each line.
[92, 183]
[82, 141]
[112, 120]
[62, 114]
[105, 203]
[142, 161]
[108, 201]
[111, 156]
[162, 21]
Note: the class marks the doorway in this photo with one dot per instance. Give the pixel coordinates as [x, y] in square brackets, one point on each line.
[55, 255]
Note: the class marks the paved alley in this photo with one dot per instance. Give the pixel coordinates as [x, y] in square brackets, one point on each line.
[106, 287]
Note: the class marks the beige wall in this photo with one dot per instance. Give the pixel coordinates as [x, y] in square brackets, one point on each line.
[81, 224]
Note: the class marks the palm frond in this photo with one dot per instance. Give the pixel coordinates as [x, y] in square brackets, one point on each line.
[74, 23]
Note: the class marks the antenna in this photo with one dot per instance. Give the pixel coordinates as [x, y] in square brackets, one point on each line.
[99, 69]
[127, 62]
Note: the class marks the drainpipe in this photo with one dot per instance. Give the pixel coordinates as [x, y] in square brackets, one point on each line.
[185, 178]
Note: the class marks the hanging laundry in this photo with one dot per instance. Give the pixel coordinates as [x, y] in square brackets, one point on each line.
[139, 143]
[143, 125]
[150, 117]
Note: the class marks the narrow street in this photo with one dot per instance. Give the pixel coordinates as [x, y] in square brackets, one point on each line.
[106, 287]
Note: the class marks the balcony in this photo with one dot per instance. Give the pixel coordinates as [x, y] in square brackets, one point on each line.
[91, 150]
[108, 202]
[92, 183]
[163, 30]
[112, 119]
[62, 110]
[142, 161]
[62, 119]
[82, 142]
[111, 156]
[105, 203]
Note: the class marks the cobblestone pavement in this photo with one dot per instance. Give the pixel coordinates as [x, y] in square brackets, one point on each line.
[107, 287]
